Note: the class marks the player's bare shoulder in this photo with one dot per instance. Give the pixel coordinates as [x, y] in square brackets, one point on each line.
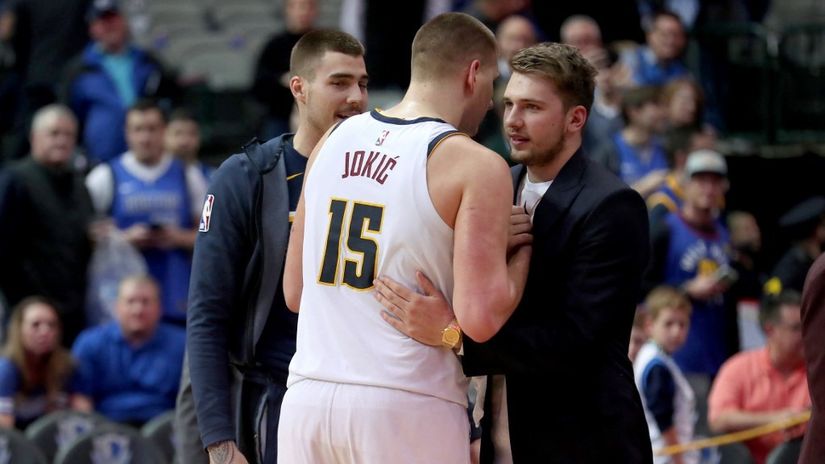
[462, 156]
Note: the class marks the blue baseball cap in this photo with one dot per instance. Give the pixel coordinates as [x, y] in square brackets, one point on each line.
[100, 8]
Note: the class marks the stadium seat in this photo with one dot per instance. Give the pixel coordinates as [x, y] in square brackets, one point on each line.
[251, 26]
[222, 67]
[177, 16]
[185, 44]
[55, 430]
[111, 444]
[16, 448]
[224, 11]
[161, 432]
[786, 453]
[735, 453]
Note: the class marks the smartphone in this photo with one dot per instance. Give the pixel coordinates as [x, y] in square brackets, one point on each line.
[726, 275]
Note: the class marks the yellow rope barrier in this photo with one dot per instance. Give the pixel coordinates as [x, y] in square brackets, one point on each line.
[734, 437]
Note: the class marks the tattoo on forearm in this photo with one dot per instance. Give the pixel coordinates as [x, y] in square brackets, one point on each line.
[221, 453]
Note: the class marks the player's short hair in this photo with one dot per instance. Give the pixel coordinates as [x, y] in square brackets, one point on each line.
[563, 65]
[311, 47]
[448, 42]
[666, 297]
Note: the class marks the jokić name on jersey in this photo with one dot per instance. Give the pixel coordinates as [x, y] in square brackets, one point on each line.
[359, 164]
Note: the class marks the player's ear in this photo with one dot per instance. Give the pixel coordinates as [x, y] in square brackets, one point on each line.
[297, 85]
[471, 75]
[576, 117]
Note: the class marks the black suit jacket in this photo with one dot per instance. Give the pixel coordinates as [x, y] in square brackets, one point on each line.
[571, 396]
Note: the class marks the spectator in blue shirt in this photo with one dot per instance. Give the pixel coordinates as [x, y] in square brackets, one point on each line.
[660, 60]
[132, 365]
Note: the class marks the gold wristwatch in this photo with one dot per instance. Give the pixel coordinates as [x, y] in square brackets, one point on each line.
[451, 335]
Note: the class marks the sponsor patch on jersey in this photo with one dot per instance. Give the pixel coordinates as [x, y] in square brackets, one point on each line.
[206, 215]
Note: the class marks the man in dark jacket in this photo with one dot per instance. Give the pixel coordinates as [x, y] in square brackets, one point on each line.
[563, 353]
[45, 213]
[238, 323]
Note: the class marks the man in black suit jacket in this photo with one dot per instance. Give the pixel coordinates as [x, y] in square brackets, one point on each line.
[570, 395]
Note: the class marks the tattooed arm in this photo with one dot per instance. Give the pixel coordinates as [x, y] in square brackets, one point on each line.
[225, 452]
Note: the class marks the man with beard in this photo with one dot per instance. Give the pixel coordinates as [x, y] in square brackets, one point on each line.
[45, 213]
[567, 340]
[238, 324]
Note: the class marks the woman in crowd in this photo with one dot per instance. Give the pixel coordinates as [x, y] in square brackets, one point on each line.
[37, 375]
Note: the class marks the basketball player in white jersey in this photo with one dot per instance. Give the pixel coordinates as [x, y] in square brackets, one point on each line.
[393, 193]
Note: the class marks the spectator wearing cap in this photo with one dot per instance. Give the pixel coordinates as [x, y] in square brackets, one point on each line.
[805, 224]
[678, 142]
[690, 252]
[108, 77]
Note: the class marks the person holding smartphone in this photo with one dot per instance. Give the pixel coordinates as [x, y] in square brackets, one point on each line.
[690, 252]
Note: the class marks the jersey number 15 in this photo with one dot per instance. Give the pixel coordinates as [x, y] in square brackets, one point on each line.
[362, 218]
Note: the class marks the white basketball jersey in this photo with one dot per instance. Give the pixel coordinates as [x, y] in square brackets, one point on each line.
[369, 214]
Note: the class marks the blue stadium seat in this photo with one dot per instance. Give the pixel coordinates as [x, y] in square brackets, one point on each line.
[111, 444]
[16, 448]
[161, 432]
[55, 430]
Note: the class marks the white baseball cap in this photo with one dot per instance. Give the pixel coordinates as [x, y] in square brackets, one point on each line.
[705, 161]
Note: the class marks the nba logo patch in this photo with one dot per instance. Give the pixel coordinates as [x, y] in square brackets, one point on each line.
[381, 138]
[206, 215]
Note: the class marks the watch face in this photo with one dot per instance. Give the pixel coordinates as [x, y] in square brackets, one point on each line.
[451, 337]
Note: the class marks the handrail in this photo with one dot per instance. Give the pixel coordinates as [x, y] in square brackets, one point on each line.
[735, 437]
